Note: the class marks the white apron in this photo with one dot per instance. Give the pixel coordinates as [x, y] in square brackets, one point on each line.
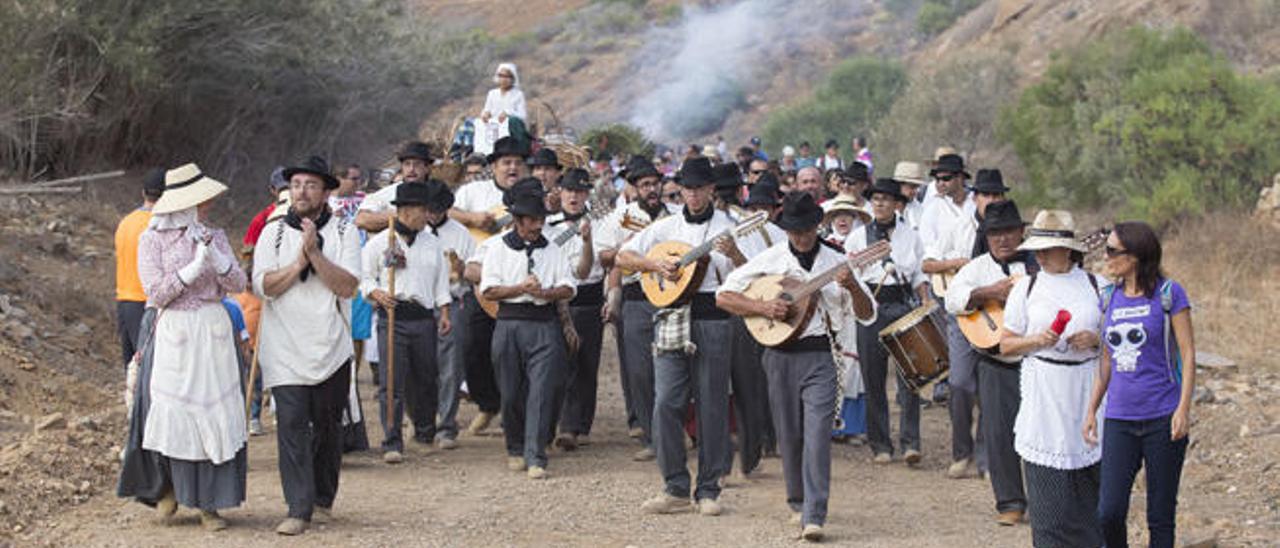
[197, 409]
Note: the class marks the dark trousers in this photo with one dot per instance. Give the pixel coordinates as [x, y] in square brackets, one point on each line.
[482, 384]
[309, 439]
[1127, 446]
[624, 370]
[750, 396]
[450, 364]
[705, 375]
[582, 380]
[874, 362]
[416, 381]
[638, 348]
[128, 323]
[802, 389]
[963, 377]
[529, 357]
[999, 388]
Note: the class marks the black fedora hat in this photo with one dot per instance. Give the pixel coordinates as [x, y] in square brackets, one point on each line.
[544, 157]
[526, 198]
[314, 165]
[990, 181]
[857, 171]
[949, 163]
[889, 187]
[410, 193]
[1001, 215]
[576, 179]
[765, 192]
[507, 146]
[439, 197]
[727, 175]
[639, 167]
[799, 212]
[415, 149]
[696, 172]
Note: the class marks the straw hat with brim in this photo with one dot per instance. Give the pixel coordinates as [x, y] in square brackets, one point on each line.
[313, 165]
[844, 206]
[1052, 228]
[911, 173]
[283, 203]
[185, 187]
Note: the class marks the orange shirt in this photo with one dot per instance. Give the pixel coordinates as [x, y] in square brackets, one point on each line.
[251, 306]
[128, 284]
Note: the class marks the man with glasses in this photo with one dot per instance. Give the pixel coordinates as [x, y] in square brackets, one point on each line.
[635, 322]
[757, 168]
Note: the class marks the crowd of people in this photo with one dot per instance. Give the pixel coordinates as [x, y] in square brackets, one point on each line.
[498, 291]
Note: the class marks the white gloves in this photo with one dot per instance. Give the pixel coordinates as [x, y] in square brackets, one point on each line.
[197, 265]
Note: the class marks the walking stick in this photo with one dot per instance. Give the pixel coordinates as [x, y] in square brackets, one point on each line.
[391, 323]
[253, 373]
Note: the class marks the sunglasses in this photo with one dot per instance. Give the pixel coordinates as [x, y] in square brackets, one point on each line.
[1115, 251]
[947, 178]
[757, 172]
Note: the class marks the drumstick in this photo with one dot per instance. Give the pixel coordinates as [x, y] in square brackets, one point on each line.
[888, 269]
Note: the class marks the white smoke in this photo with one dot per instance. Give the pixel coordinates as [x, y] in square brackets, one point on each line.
[695, 74]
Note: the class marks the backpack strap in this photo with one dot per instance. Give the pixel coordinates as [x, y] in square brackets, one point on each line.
[1172, 354]
[1030, 284]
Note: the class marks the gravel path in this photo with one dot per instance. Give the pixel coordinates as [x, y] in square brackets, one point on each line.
[466, 497]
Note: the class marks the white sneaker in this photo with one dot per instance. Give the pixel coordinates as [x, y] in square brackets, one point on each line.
[959, 469]
[393, 457]
[666, 504]
[709, 507]
[537, 472]
[255, 427]
[811, 533]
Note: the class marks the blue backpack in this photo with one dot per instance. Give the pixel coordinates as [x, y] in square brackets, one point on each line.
[1173, 355]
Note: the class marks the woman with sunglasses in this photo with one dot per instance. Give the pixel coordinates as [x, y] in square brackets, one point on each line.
[1147, 328]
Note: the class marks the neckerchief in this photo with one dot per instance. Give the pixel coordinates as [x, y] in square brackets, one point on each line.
[294, 221]
[806, 258]
[1027, 258]
[406, 233]
[435, 227]
[568, 218]
[979, 238]
[877, 231]
[516, 243]
[699, 218]
[657, 211]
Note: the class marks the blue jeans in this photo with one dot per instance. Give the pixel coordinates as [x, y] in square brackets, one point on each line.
[1126, 446]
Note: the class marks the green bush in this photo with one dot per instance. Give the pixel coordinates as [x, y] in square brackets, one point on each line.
[850, 102]
[1153, 121]
[934, 17]
[616, 139]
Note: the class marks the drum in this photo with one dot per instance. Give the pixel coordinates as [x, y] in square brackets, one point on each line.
[918, 346]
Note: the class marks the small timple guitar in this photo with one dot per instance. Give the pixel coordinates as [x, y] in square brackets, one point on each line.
[799, 293]
[982, 327]
[501, 219]
[663, 292]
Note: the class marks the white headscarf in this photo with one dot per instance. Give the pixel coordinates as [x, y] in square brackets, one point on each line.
[183, 218]
[515, 75]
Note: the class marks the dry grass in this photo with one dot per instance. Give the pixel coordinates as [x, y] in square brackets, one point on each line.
[1230, 266]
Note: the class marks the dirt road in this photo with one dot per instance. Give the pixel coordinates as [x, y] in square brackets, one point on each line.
[467, 497]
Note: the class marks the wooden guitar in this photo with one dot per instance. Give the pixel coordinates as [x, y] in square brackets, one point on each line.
[501, 219]
[663, 292]
[799, 293]
[982, 327]
[939, 281]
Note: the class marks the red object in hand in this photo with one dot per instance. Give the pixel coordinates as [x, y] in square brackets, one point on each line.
[1060, 322]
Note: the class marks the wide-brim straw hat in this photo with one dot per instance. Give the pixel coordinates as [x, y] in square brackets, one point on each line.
[186, 187]
[1052, 228]
[842, 204]
[911, 173]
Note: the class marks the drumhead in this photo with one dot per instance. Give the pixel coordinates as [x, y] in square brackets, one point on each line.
[911, 318]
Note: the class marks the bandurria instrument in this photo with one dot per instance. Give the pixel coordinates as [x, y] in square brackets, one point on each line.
[690, 263]
[799, 293]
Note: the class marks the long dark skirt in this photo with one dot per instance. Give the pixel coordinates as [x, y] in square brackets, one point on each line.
[1064, 506]
[147, 475]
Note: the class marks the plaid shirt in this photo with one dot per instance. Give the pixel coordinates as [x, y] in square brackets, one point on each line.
[671, 331]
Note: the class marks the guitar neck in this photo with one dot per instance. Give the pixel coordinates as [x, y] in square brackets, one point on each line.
[695, 254]
[858, 260]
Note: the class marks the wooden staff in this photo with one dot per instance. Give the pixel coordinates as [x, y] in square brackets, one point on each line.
[391, 322]
[253, 373]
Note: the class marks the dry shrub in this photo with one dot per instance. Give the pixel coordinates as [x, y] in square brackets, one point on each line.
[1230, 266]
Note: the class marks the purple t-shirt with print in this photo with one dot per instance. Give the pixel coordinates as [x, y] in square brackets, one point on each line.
[1144, 384]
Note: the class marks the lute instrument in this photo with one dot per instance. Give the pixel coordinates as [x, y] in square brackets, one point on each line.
[800, 294]
[691, 263]
[501, 220]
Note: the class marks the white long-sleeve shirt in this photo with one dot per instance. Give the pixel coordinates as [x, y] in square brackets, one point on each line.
[510, 103]
[980, 272]
[946, 227]
[905, 250]
[832, 299]
[675, 228]
[424, 278]
[573, 247]
[504, 266]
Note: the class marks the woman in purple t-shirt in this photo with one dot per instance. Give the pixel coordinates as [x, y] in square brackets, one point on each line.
[1147, 327]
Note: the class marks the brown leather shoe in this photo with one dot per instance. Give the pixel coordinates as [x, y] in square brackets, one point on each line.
[1010, 518]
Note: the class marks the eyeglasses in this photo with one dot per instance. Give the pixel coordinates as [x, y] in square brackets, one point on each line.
[946, 178]
[1116, 252]
[757, 172]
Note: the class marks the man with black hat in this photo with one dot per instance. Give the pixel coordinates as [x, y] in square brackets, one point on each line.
[853, 181]
[477, 206]
[458, 246]
[635, 320]
[422, 289]
[898, 285]
[802, 378]
[307, 268]
[579, 401]
[693, 362]
[988, 278]
[958, 241]
[526, 274]
[545, 166]
[131, 302]
[415, 165]
[952, 205]
[728, 187]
